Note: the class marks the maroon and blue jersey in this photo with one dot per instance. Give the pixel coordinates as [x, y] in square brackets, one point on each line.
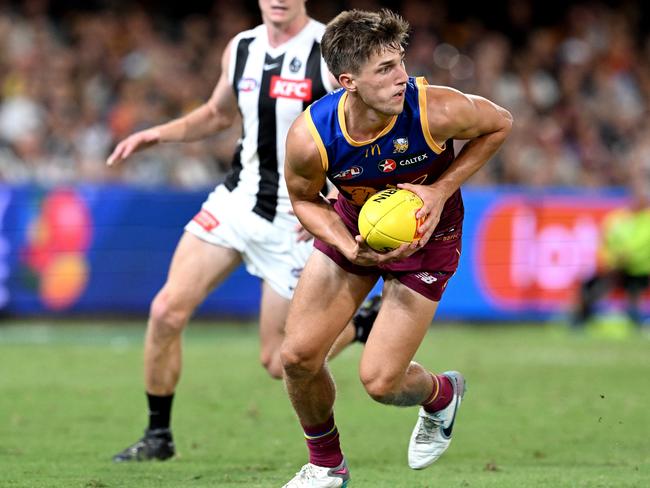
[404, 152]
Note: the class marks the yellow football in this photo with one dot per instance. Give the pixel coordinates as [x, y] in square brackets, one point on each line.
[387, 220]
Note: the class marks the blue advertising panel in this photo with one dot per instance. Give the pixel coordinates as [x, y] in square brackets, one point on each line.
[106, 250]
[93, 249]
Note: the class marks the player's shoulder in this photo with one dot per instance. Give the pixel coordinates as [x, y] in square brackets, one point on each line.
[252, 33]
[446, 104]
[318, 28]
[300, 129]
[303, 138]
[322, 114]
[327, 103]
[443, 94]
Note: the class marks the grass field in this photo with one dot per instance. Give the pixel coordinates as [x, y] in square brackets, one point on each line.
[544, 409]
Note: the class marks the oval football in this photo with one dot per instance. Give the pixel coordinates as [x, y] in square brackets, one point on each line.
[387, 220]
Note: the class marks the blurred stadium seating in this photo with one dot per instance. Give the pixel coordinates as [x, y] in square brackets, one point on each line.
[74, 80]
[75, 77]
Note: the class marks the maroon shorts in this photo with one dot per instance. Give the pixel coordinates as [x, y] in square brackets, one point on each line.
[426, 272]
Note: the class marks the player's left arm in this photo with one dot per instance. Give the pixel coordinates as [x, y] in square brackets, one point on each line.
[455, 115]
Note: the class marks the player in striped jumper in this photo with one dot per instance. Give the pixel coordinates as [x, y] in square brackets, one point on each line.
[269, 75]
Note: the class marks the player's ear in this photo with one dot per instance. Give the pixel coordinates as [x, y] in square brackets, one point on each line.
[347, 81]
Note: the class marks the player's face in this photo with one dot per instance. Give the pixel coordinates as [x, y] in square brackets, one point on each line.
[281, 12]
[381, 82]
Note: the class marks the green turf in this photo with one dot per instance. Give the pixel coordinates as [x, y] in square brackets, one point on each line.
[544, 409]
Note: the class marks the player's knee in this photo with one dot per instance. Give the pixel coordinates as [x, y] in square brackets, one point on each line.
[168, 315]
[380, 386]
[298, 363]
[272, 363]
[275, 370]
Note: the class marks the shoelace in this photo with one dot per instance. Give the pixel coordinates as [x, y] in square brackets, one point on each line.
[306, 473]
[427, 429]
[136, 448]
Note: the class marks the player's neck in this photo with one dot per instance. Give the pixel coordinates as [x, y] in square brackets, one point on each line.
[363, 123]
[278, 34]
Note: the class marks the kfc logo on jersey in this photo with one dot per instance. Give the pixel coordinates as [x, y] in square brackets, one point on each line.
[387, 165]
[400, 145]
[348, 174]
[247, 85]
[285, 88]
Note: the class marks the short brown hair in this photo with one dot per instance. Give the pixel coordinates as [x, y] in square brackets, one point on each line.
[353, 36]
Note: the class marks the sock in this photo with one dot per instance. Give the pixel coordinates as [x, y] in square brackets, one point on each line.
[160, 409]
[443, 392]
[365, 317]
[323, 443]
[361, 333]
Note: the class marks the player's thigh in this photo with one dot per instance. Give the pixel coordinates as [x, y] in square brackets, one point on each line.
[400, 326]
[324, 301]
[197, 268]
[276, 256]
[273, 253]
[273, 316]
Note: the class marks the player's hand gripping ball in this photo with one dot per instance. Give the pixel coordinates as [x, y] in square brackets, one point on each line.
[387, 220]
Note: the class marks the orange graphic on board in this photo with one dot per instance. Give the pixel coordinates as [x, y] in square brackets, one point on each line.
[57, 240]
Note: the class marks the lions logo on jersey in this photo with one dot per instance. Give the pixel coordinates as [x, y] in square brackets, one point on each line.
[400, 145]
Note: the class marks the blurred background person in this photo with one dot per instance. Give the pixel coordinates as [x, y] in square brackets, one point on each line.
[624, 258]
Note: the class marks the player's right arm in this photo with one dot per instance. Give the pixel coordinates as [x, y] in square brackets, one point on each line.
[215, 115]
[305, 178]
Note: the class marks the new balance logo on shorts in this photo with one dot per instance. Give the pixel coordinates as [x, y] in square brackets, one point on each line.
[426, 277]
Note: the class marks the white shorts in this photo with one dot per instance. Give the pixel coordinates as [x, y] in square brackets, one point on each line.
[269, 251]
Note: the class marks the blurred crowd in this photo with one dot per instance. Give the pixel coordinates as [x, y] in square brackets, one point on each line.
[74, 82]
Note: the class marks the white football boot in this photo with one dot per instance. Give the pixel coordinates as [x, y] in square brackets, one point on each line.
[432, 433]
[312, 476]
